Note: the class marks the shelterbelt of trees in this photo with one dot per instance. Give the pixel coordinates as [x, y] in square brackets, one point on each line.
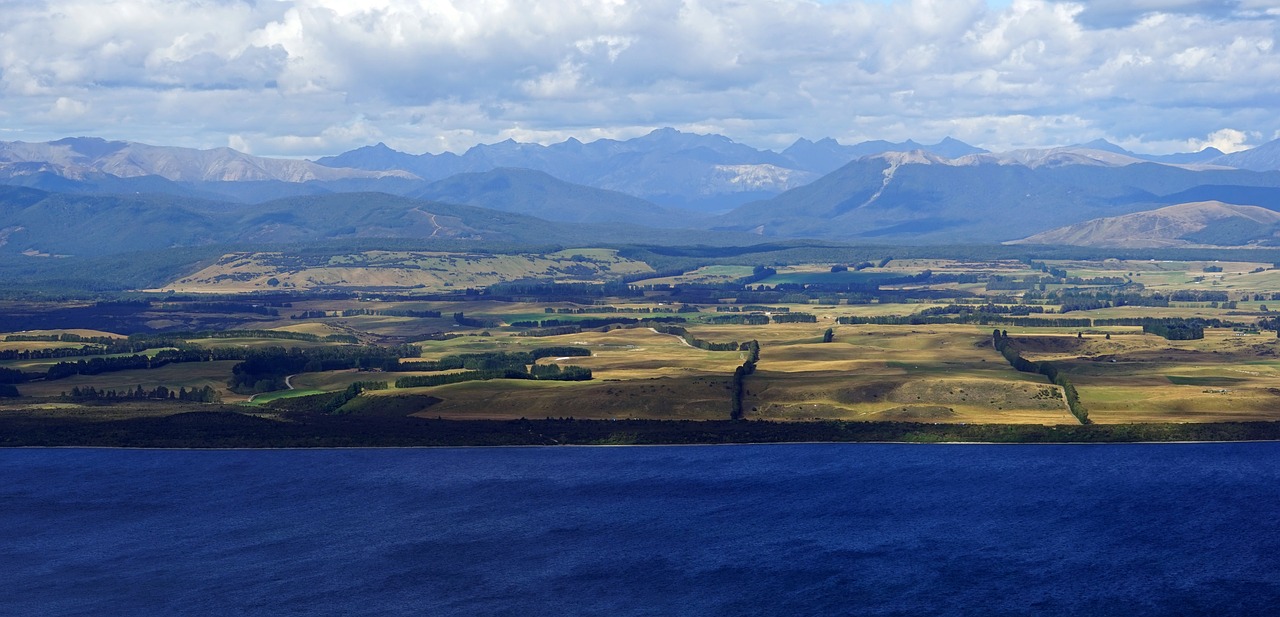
[1008, 348]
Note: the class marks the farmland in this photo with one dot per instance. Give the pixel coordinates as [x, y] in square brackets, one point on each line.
[896, 341]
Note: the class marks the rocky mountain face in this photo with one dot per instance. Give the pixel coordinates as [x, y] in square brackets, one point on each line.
[1211, 223]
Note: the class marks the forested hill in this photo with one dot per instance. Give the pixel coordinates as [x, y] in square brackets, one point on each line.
[43, 224]
[535, 193]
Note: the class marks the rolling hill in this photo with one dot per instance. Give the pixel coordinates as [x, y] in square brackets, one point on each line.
[1210, 223]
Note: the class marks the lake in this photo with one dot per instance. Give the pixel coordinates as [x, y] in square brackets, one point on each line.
[804, 529]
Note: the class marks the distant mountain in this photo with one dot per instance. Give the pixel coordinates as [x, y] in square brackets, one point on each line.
[535, 193]
[874, 191]
[703, 173]
[1183, 225]
[827, 155]
[1107, 155]
[1186, 158]
[39, 223]
[1180, 158]
[85, 158]
[666, 166]
[1263, 158]
[922, 198]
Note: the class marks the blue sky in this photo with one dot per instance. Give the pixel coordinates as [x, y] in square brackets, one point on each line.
[315, 77]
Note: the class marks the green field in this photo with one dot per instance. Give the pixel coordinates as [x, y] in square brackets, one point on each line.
[945, 373]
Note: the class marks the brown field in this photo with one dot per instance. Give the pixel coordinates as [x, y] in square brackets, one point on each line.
[1145, 378]
[923, 373]
[423, 270]
[692, 397]
[189, 375]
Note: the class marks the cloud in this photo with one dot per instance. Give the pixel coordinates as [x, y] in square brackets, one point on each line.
[1121, 13]
[1226, 140]
[313, 77]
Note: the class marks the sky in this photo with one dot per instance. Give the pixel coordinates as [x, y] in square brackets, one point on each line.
[305, 78]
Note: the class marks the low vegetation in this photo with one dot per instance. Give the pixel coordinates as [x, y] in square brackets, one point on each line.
[600, 335]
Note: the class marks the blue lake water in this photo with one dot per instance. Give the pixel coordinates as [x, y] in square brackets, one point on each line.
[810, 529]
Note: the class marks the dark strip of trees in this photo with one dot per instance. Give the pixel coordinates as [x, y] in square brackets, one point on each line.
[549, 372]
[599, 322]
[195, 395]
[739, 388]
[697, 342]
[1006, 347]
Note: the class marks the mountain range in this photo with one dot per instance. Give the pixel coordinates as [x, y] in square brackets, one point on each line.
[42, 224]
[874, 191]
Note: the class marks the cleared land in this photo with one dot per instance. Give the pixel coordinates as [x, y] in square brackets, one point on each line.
[424, 271]
[947, 373]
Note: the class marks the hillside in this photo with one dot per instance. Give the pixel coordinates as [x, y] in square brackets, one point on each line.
[1184, 225]
[535, 193]
[923, 198]
[1263, 158]
[39, 223]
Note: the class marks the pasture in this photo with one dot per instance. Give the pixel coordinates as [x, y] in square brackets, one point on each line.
[935, 373]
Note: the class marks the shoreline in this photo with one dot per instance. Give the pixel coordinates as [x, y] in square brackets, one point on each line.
[224, 430]
[637, 445]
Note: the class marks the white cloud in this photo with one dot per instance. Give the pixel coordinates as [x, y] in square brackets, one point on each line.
[65, 108]
[288, 77]
[1226, 140]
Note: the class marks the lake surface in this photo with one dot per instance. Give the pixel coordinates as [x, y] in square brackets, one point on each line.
[810, 529]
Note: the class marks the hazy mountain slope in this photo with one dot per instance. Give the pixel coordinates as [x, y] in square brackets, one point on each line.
[41, 223]
[667, 167]
[1262, 196]
[1189, 224]
[59, 224]
[827, 155]
[539, 194]
[1263, 158]
[920, 198]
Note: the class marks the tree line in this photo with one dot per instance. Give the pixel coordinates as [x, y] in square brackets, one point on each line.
[195, 395]
[550, 372]
[739, 387]
[265, 370]
[493, 360]
[597, 322]
[1006, 347]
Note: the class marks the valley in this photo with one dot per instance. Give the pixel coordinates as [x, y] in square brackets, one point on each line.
[672, 281]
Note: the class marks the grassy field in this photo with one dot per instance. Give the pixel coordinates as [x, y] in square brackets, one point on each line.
[936, 373]
[1145, 378]
[807, 275]
[425, 271]
[705, 274]
[189, 375]
[867, 373]
[944, 374]
[922, 373]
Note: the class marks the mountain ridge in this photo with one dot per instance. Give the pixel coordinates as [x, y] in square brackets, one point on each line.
[80, 157]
